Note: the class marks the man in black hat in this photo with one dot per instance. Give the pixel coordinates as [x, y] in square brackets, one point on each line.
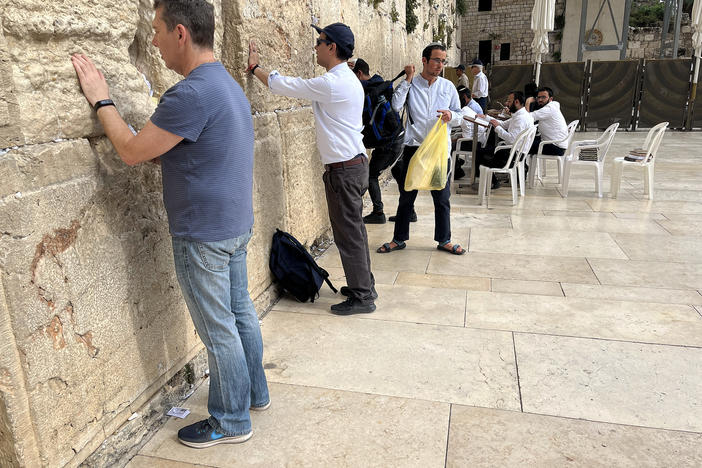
[337, 102]
[480, 84]
[462, 77]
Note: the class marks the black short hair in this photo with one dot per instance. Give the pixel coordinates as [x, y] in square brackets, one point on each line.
[546, 89]
[518, 96]
[464, 93]
[426, 53]
[362, 66]
[530, 89]
[197, 16]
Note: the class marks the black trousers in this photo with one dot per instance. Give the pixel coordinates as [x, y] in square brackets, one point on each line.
[381, 159]
[442, 205]
[483, 103]
[344, 188]
[547, 149]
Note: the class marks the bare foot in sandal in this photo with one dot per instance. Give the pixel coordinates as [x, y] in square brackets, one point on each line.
[391, 246]
[455, 249]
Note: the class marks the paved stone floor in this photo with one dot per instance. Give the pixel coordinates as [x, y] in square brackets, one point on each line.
[570, 334]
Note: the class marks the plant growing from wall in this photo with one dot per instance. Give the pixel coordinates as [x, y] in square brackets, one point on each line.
[394, 14]
[461, 7]
[375, 3]
[426, 25]
[449, 33]
[411, 19]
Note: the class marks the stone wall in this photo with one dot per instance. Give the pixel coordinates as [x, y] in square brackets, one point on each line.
[646, 42]
[92, 322]
[509, 22]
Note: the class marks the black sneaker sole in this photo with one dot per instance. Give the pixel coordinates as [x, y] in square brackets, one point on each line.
[356, 310]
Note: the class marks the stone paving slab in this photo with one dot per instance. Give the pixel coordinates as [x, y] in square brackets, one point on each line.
[430, 362]
[488, 437]
[668, 275]
[617, 320]
[630, 293]
[319, 427]
[414, 304]
[611, 381]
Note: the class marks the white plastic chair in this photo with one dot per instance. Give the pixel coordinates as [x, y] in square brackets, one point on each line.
[521, 170]
[510, 168]
[602, 145]
[536, 159]
[467, 156]
[651, 144]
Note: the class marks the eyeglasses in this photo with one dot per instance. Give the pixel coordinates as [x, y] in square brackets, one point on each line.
[438, 60]
[321, 41]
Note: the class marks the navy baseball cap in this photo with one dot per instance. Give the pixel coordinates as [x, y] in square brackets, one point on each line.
[340, 34]
[461, 67]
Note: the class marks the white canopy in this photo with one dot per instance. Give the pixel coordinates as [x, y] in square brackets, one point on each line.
[542, 17]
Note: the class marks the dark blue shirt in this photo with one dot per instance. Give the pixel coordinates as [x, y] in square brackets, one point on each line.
[207, 177]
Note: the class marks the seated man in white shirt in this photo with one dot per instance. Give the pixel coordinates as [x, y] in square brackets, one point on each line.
[470, 108]
[508, 130]
[552, 124]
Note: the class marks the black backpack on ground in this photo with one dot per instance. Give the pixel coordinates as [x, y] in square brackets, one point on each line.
[381, 124]
[294, 268]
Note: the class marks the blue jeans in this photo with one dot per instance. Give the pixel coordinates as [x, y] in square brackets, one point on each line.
[212, 276]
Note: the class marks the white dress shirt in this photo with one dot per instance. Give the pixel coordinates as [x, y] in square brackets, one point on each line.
[423, 102]
[337, 102]
[552, 124]
[480, 85]
[467, 127]
[510, 129]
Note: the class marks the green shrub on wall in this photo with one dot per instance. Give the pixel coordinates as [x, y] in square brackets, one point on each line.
[411, 19]
[461, 7]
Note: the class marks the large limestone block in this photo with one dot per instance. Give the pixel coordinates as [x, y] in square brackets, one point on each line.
[268, 198]
[32, 167]
[306, 204]
[10, 134]
[285, 39]
[39, 38]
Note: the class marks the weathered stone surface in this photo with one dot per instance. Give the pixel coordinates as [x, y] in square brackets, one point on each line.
[91, 315]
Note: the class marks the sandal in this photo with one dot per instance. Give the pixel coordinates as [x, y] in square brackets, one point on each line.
[385, 248]
[453, 250]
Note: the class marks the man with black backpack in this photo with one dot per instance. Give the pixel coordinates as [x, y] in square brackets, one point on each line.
[386, 155]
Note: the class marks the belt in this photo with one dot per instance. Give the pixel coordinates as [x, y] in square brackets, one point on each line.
[358, 159]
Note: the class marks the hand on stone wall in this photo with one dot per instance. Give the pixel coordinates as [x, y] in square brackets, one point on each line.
[92, 81]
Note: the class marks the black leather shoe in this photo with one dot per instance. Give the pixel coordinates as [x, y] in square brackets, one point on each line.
[353, 306]
[413, 218]
[374, 218]
[345, 291]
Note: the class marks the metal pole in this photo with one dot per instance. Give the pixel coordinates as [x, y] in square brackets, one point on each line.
[538, 71]
[676, 39]
[693, 93]
[583, 19]
[665, 28]
[625, 30]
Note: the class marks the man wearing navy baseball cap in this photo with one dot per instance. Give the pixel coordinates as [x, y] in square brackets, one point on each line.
[337, 102]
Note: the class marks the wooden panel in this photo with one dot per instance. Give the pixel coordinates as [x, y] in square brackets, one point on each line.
[666, 86]
[507, 78]
[566, 81]
[612, 89]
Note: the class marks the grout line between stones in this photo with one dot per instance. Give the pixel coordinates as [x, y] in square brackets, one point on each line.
[593, 271]
[448, 435]
[516, 366]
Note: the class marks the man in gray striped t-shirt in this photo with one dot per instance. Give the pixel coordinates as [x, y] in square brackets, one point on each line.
[202, 131]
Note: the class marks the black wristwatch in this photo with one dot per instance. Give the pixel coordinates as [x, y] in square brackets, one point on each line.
[253, 69]
[103, 103]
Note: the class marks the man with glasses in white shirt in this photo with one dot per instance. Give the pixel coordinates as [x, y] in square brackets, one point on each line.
[337, 102]
[552, 124]
[428, 97]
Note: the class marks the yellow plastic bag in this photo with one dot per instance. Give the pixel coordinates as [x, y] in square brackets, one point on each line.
[428, 167]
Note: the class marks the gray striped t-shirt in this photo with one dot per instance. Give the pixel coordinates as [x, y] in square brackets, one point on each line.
[207, 177]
